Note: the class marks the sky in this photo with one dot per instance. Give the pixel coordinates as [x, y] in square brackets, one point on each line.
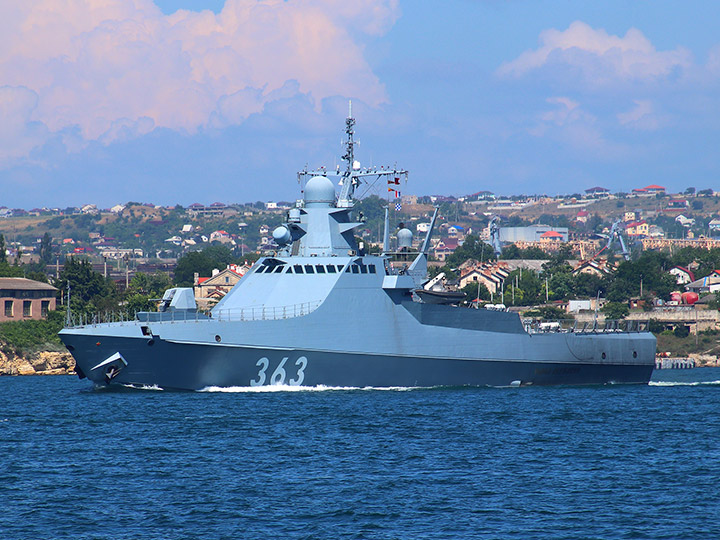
[183, 101]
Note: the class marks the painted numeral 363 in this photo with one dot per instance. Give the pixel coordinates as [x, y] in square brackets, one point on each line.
[280, 373]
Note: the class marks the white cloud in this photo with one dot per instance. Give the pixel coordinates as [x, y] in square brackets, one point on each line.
[642, 116]
[117, 68]
[18, 133]
[599, 57]
[568, 126]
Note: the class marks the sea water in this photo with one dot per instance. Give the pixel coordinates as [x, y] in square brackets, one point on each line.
[575, 462]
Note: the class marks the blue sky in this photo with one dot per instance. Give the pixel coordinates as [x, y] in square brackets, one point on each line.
[182, 101]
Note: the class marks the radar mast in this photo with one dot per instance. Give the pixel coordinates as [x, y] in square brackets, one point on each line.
[353, 174]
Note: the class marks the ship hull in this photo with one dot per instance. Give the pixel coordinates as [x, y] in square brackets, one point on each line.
[188, 366]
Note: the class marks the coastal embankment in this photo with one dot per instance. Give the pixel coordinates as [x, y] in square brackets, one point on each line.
[38, 363]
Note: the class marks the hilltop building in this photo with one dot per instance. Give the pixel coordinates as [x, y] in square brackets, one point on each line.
[533, 233]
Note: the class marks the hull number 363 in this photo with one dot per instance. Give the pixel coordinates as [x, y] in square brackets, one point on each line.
[280, 374]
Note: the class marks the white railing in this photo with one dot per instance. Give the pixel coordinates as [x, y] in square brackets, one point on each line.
[534, 326]
[266, 313]
[253, 313]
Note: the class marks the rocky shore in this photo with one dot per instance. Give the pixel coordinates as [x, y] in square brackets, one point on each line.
[40, 363]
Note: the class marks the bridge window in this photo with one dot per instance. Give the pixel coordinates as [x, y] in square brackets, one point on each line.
[363, 269]
[279, 268]
[298, 268]
[309, 269]
[373, 269]
[331, 268]
[320, 268]
[355, 269]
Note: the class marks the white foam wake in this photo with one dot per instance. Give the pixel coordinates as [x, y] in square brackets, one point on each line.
[288, 388]
[153, 387]
[685, 383]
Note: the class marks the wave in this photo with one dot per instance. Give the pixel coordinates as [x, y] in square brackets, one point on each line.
[684, 383]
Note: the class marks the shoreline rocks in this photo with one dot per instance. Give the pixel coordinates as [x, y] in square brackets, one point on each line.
[40, 363]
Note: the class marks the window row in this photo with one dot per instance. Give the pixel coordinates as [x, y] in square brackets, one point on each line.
[317, 269]
[26, 308]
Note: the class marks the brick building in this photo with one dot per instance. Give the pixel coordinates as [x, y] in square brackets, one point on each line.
[22, 298]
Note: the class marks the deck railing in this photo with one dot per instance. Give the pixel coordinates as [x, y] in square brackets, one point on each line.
[256, 313]
[534, 326]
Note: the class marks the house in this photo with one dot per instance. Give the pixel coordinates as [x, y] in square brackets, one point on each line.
[652, 189]
[637, 228]
[682, 275]
[492, 275]
[677, 204]
[630, 216]
[597, 191]
[708, 284]
[209, 290]
[444, 248]
[685, 221]
[714, 225]
[582, 216]
[592, 267]
[215, 209]
[220, 236]
[551, 236]
[117, 208]
[409, 199]
[25, 299]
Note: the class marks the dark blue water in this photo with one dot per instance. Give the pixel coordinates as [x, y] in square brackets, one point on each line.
[601, 462]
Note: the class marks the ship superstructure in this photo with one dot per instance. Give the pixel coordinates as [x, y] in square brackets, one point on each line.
[320, 311]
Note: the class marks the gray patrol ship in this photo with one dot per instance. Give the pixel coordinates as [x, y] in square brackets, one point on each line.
[320, 312]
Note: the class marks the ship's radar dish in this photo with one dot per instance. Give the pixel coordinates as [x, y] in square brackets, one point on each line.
[319, 191]
[404, 237]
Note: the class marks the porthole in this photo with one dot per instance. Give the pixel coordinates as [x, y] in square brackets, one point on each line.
[150, 342]
[604, 356]
[218, 339]
[634, 354]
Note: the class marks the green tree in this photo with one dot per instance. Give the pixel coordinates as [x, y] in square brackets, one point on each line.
[615, 310]
[549, 313]
[476, 290]
[90, 292]
[8, 270]
[681, 331]
[46, 249]
[144, 290]
[203, 262]
[3, 254]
